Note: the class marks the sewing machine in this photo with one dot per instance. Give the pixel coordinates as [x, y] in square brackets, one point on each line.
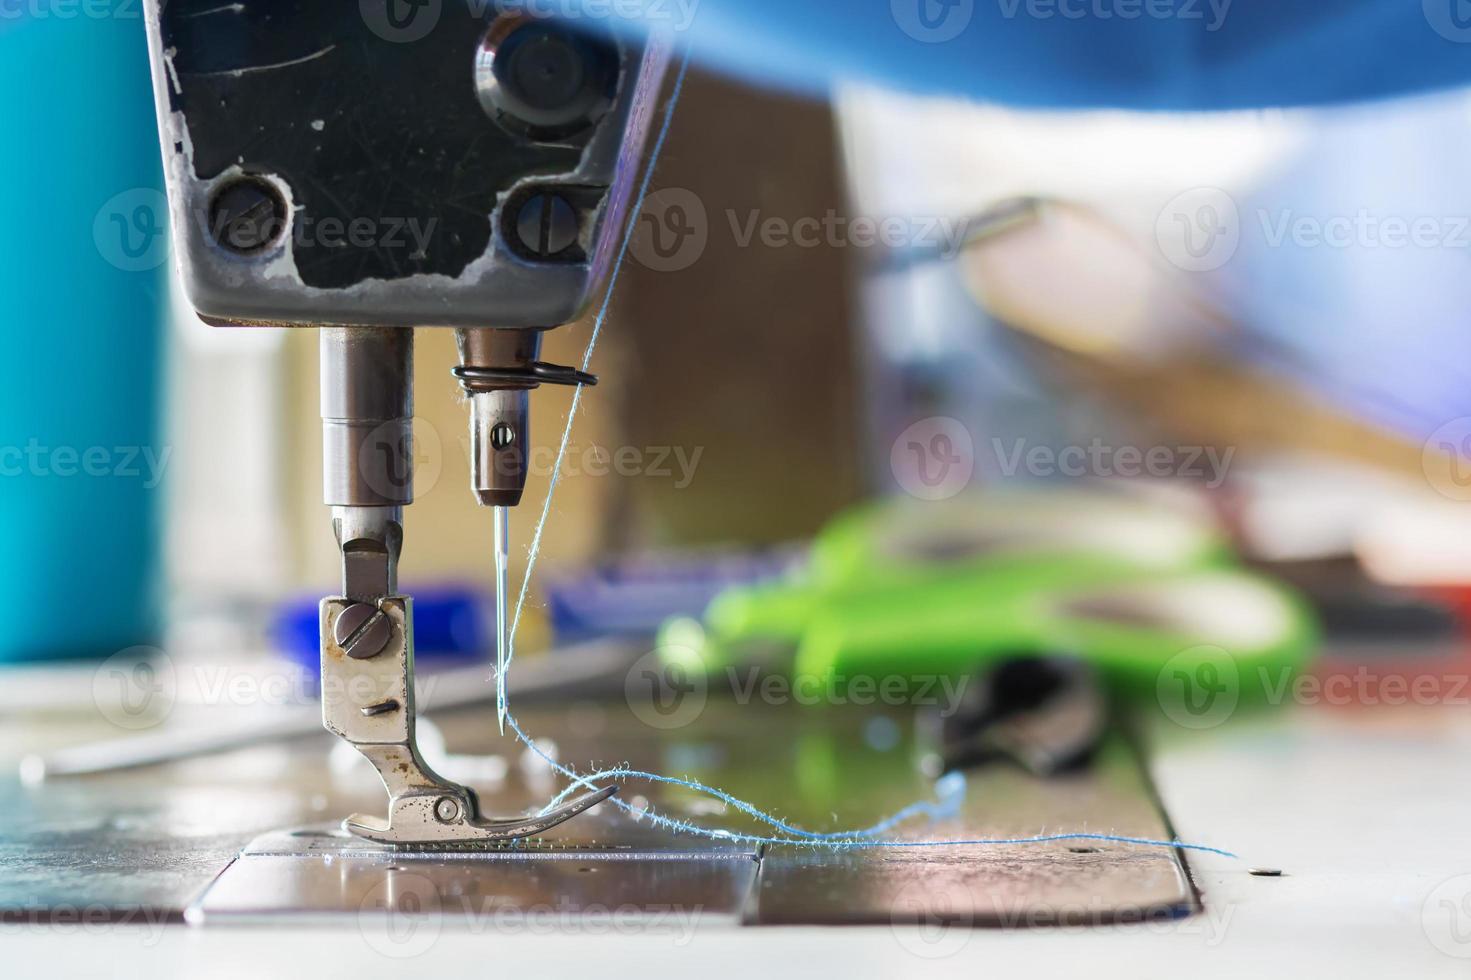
[372, 175]
[372, 169]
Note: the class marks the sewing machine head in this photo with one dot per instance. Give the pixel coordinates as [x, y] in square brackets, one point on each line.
[343, 166]
[380, 167]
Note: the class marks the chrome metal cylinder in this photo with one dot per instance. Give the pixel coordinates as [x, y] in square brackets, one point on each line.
[500, 434]
[367, 416]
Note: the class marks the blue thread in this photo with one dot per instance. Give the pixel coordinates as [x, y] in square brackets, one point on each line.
[951, 792]
[842, 840]
[592, 342]
[951, 789]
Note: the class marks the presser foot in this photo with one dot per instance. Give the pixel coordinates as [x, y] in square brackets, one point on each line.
[368, 701]
[450, 814]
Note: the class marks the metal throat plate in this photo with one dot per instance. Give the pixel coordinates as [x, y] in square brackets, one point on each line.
[608, 860]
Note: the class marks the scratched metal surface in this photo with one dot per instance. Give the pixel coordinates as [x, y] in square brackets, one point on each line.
[154, 840]
[1063, 883]
[334, 877]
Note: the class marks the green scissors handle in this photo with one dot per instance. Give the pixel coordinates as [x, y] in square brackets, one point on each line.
[875, 607]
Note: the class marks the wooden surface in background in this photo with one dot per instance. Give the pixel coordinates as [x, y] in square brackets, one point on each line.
[748, 353]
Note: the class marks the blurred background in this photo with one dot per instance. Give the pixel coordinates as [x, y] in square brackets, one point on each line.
[1046, 281]
[1250, 318]
[1095, 485]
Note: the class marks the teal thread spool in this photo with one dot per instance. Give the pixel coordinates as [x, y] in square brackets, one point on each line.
[83, 293]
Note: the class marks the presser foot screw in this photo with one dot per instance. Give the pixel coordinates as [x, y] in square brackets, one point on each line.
[362, 631]
[447, 810]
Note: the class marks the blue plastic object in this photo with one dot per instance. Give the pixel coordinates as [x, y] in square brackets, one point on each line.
[1140, 54]
[451, 622]
[83, 254]
[634, 596]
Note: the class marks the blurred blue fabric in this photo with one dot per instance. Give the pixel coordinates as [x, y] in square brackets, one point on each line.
[1361, 312]
[1381, 331]
[1146, 54]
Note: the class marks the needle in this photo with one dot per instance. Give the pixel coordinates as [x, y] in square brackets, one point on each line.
[502, 637]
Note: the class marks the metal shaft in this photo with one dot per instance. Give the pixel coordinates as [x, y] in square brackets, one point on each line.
[367, 451]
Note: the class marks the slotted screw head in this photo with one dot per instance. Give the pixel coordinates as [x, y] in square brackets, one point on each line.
[362, 631]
